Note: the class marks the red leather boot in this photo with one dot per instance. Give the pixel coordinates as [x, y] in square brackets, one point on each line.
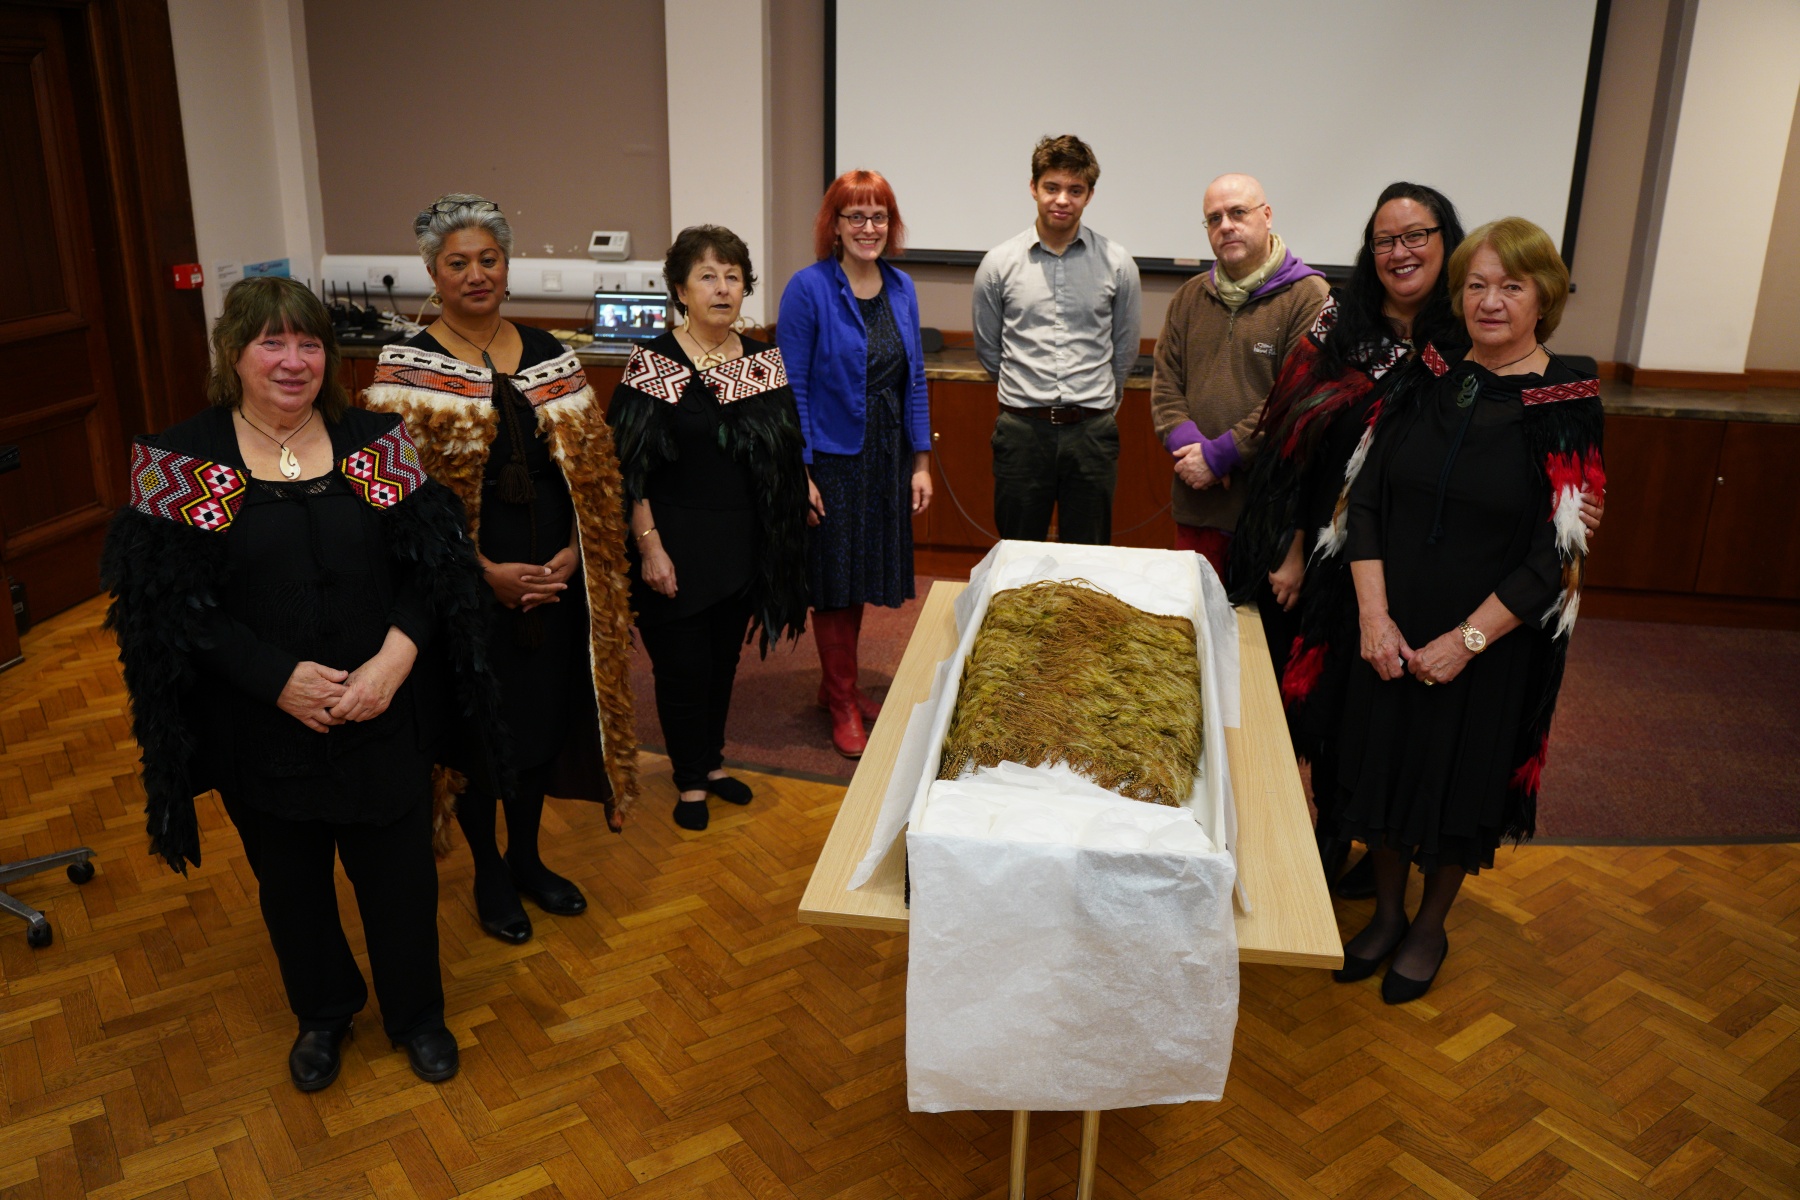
[865, 704]
[834, 632]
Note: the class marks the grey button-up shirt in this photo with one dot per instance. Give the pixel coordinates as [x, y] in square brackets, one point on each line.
[1057, 329]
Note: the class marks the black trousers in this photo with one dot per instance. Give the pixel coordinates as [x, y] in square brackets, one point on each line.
[395, 877]
[1068, 469]
[694, 661]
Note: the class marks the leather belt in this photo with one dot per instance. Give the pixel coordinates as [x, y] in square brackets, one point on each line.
[1056, 414]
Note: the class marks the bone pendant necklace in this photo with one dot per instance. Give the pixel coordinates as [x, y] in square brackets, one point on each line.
[290, 465]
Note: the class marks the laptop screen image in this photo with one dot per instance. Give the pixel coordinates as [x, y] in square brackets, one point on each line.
[630, 316]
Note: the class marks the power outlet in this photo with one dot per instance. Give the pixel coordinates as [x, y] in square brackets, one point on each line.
[553, 281]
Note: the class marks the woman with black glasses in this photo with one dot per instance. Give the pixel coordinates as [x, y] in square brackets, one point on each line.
[1288, 553]
[849, 332]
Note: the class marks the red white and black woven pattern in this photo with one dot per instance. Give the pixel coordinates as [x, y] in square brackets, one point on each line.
[742, 378]
[1581, 389]
[1434, 360]
[562, 376]
[387, 470]
[439, 373]
[178, 487]
[656, 375]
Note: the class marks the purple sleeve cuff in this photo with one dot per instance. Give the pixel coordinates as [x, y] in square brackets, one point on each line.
[1221, 453]
[1184, 434]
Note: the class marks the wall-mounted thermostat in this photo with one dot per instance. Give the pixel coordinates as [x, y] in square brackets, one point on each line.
[609, 245]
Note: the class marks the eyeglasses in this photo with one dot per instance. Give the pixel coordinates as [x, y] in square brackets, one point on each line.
[858, 220]
[1412, 239]
[444, 208]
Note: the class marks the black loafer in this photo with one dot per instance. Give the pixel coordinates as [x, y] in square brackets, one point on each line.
[314, 1061]
[1355, 969]
[432, 1054]
[732, 791]
[1398, 989]
[553, 893]
[502, 917]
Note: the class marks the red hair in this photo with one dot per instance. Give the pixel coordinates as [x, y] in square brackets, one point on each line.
[857, 187]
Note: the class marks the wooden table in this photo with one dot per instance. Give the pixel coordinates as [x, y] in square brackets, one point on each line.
[1292, 922]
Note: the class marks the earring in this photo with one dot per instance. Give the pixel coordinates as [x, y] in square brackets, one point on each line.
[435, 299]
[509, 293]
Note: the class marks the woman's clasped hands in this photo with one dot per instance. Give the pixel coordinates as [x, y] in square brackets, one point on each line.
[319, 696]
[527, 585]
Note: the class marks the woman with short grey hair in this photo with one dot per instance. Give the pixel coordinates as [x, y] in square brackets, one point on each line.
[504, 416]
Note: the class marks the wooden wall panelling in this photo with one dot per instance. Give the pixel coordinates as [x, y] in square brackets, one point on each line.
[61, 408]
[962, 431]
[603, 378]
[129, 111]
[1146, 473]
[1659, 493]
[1753, 531]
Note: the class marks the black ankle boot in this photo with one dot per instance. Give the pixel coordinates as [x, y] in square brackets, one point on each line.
[497, 905]
[548, 890]
[314, 1061]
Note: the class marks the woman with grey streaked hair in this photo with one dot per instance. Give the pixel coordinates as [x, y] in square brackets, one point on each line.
[503, 415]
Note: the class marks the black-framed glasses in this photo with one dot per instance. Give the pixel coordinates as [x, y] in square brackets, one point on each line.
[1412, 239]
[858, 220]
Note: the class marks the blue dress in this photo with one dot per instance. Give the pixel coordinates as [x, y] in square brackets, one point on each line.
[862, 552]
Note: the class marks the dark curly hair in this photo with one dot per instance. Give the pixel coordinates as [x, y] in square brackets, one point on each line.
[1361, 324]
[691, 245]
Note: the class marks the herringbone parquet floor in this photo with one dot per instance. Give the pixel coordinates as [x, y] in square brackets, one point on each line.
[1611, 1023]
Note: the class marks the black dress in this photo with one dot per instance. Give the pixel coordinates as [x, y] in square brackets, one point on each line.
[862, 552]
[309, 581]
[1454, 506]
[539, 656]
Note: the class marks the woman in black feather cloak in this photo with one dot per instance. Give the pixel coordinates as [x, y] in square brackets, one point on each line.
[717, 494]
[300, 620]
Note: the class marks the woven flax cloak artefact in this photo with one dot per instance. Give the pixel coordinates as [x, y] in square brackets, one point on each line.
[1064, 672]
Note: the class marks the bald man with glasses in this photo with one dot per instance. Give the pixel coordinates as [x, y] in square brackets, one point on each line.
[1227, 332]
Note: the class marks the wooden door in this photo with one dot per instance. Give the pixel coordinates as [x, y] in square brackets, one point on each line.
[56, 391]
[1753, 531]
[1659, 494]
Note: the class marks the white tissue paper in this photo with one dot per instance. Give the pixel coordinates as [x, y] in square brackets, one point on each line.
[1070, 948]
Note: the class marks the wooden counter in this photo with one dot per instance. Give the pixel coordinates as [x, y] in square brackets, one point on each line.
[1702, 523]
[1293, 923]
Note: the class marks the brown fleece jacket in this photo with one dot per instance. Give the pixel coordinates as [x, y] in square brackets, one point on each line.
[1215, 368]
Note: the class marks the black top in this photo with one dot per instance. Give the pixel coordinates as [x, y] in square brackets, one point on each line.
[702, 504]
[540, 656]
[887, 370]
[310, 579]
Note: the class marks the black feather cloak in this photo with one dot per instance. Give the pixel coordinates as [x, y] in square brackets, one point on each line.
[166, 563]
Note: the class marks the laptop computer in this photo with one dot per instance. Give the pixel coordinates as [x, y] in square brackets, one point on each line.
[624, 318]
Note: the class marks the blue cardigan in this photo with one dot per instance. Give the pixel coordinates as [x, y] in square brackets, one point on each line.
[826, 350]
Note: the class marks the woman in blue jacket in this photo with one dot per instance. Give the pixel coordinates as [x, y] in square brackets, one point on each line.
[849, 334]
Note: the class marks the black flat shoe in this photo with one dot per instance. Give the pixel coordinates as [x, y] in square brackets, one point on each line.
[432, 1054]
[314, 1061]
[691, 814]
[1355, 969]
[550, 892]
[502, 916]
[1398, 989]
[1358, 883]
[732, 791]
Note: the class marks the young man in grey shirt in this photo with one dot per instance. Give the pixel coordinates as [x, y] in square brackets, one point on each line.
[1056, 324]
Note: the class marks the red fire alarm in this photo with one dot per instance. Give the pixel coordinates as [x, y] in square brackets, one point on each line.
[187, 276]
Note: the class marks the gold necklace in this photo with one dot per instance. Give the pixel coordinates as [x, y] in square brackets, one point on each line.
[706, 360]
[290, 465]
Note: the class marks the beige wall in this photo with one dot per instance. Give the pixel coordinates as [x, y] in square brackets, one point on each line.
[555, 109]
[797, 136]
[1775, 337]
[1615, 178]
